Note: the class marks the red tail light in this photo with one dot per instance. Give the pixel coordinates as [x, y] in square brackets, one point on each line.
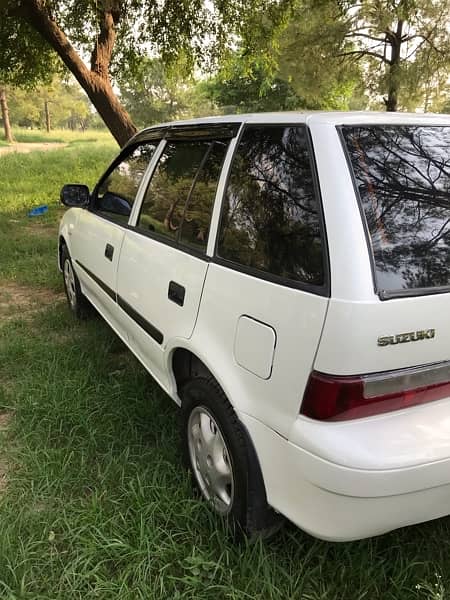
[336, 398]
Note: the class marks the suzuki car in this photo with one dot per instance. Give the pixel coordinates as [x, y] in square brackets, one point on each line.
[285, 278]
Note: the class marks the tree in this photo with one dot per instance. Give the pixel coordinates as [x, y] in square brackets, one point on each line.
[25, 62]
[290, 66]
[58, 104]
[308, 58]
[239, 88]
[401, 37]
[398, 46]
[154, 93]
[5, 116]
[116, 32]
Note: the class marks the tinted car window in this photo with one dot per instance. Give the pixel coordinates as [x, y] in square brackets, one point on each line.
[197, 215]
[179, 198]
[117, 192]
[270, 219]
[402, 174]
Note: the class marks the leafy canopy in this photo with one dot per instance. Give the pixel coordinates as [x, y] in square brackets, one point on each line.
[25, 59]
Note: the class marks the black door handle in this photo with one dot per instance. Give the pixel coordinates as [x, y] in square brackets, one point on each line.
[176, 293]
[109, 251]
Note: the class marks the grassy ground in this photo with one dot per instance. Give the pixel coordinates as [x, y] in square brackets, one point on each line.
[93, 502]
[60, 135]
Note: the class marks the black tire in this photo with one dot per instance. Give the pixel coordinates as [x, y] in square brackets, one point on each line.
[248, 511]
[78, 303]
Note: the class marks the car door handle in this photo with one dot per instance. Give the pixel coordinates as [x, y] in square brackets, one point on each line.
[109, 251]
[176, 293]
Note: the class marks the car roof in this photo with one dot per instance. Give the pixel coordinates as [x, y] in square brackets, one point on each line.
[308, 117]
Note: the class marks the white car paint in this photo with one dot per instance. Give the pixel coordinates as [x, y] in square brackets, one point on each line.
[337, 480]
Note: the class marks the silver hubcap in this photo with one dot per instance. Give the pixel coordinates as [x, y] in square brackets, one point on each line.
[210, 460]
[69, 280]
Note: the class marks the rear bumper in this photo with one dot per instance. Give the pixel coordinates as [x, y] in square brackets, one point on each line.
[339, 503]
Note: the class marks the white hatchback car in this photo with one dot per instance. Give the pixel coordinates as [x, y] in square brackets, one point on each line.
[285, 278]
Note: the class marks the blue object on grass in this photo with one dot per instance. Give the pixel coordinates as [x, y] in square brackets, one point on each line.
[39, 210]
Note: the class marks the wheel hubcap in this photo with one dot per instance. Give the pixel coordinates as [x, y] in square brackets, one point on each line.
[69, 280]
[210, 460]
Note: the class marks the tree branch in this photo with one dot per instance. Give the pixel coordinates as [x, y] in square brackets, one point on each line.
[38, 16]
[425, 38]
[95, 82]
[364, 35]
[108, 17]
[361, 53]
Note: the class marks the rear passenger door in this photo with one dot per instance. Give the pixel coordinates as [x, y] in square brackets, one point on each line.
[163, 260]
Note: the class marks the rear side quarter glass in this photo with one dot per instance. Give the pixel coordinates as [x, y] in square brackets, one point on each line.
[179, 198]
[402, 179]
[194, 230]
[271, 222]
[166, 195]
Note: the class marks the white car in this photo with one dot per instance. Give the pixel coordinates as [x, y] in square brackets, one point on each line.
[285, 278]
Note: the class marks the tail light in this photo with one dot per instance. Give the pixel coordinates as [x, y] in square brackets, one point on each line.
[336, 398]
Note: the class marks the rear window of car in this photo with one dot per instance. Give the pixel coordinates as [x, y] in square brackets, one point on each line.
[402, 175]
[270, 221]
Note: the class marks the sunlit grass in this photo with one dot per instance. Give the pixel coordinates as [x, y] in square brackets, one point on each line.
[97, 505]
[28, 244]
[61, 135]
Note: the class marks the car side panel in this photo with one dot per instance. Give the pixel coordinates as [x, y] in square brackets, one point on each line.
[146, 269]
[97, 273]
[295, 316]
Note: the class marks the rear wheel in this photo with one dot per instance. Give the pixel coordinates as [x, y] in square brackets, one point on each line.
[78, 303]
[220, 456]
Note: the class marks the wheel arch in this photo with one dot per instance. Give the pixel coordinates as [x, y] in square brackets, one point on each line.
[185, 364]
[61, 243]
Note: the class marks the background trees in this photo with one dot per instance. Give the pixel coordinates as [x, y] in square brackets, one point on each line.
[136, 59]
[401, 46]
[60, 104]
[25, 61]
[116, 33]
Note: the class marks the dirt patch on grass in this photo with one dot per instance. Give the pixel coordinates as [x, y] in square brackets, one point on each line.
[41, 230]
[5, 418]
[17, 299]
[31, 147]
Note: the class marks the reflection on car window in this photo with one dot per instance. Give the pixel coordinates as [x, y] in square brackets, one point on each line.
[179, 199]
[402, 175]
[197, 215]
[117, 193]
[270, 220]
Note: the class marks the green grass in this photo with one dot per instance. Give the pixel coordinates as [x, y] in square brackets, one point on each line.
[27, 245]
[61, 135]
[96, 504]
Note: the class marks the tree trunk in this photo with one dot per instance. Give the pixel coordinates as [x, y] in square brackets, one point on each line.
[5, 116]
[47, 117]
[391, 101]
[94, 81]
[395, 40]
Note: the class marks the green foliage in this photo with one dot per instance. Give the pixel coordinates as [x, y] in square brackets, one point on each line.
[192, 32]
[293, 67]
[308, 59]
[238, 88]
[67, 105]
[404, 47]
[154, 93]
[25, 59]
